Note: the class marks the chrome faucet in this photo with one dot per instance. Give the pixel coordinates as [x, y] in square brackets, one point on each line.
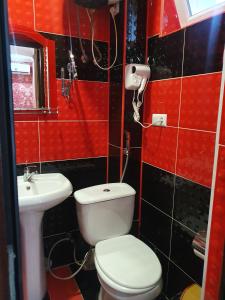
[27, 176]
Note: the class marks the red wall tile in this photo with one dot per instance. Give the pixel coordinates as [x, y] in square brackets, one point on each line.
[27, 146]
[21, 13]
[153, 17]
[72, 140]
[217, 235]
[222, 129]
[89, 101]
[195, 155]
[163, 96]
[170, 22]
[60, 17]
[159, 147]
[200, 99]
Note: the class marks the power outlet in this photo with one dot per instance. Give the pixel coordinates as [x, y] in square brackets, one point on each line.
[159, 120]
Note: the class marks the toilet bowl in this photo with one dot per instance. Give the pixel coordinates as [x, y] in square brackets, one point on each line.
[126, 267]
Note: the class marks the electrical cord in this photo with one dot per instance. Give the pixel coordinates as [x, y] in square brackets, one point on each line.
[137, 105]
[112, 12]
[80, 264]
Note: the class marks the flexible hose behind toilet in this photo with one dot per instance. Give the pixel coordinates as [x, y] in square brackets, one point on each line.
[80, 264]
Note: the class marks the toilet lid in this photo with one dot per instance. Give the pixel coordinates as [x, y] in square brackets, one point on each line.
[128, 262]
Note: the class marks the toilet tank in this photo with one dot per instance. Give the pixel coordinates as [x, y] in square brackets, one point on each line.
[105, 211]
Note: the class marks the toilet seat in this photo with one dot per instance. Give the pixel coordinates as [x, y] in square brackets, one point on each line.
[127, 265]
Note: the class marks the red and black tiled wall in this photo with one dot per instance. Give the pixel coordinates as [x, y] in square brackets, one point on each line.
[73, 141]
[215, 279]
[115, 97]
[135, 53]
[178, 160]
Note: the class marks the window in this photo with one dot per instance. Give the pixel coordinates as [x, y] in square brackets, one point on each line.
[193, 11]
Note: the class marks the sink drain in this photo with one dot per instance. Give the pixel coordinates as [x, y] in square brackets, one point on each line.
[106, 190]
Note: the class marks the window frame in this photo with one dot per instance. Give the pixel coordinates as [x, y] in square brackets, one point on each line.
[186, 19]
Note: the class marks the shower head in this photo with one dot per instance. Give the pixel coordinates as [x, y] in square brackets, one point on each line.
[93, 4]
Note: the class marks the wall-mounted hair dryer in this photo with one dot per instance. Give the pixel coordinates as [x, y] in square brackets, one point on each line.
[136, 78]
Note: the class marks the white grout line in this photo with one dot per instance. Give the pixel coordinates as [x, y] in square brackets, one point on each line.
[83, 158]
[85, 81]
[182, 271]
[63, 121]
[62, 160]
[191, 129]
[170, 261]
[34, 14]
[39, 144]
[216, 155]
[177, 175]
[187, 76]
[72, 121]
[61, 233]
[177, 142]
[115, 146]
[73, 36]
[172, 218]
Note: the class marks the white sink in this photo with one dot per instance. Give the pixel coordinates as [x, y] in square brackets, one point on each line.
[35, 197]
[43, 192]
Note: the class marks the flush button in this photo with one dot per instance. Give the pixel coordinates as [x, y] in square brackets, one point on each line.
[106, 190]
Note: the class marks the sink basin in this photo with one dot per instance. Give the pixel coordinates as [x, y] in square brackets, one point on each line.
[43, 192]
[35, 197]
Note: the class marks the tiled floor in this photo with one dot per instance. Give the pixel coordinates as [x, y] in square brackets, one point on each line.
[69, 290]
[63, 289]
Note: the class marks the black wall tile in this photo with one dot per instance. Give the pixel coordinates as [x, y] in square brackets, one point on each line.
[178, 281]
[191, 204]
[115, 111]
[132, 174]
[61, 218]
[158, 188]
[82, 173]
[164, 264]
[120, 28]
[20, 168]
[204, 45]
[86, 71]
[88, 283]
[129, 124]
[156, 227]
[62, 254]
[135, 229]
[182, 253]
[114, 164]
[59, 221]
[165, 55]
[136, 31]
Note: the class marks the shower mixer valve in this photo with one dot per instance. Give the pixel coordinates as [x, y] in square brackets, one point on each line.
[72, 70]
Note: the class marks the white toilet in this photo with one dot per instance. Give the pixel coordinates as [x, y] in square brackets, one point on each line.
[127, 268]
